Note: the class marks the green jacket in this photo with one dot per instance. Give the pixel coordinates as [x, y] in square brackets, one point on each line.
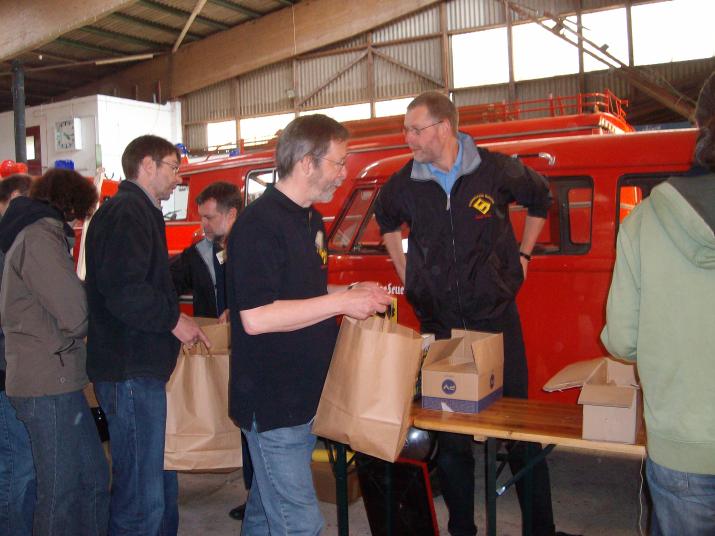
[661, 311]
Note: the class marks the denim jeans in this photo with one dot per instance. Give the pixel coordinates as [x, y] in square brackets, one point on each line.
[144, 496]
[72, 470]
[17, 473]
[282, 498]
[683, 503]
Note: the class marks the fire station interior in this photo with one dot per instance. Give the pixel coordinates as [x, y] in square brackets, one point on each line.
[570, 87]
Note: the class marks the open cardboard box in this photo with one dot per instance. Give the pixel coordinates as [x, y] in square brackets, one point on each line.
[465, 373]
[609, 396]
[324, 482]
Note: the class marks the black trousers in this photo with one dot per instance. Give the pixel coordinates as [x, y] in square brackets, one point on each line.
[455, 460]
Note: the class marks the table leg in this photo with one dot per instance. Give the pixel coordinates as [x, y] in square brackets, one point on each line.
[341, 488]
[526, 510]
[491, 485]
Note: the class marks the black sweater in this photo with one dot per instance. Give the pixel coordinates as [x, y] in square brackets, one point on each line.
[132, 302]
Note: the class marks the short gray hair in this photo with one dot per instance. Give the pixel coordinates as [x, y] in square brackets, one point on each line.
[307, 135]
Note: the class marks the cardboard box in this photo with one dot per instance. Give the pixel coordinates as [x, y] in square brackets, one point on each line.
[609, 396]
[427, 340]
[324, 482]
[465, 373]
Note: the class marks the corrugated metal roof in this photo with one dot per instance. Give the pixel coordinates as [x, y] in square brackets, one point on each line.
[480, 95]
[266, 90]
[423, 56]
[422, 23]
[196, 137]
[213, 103]
[349, 86]
[463, 14]
[139, 27]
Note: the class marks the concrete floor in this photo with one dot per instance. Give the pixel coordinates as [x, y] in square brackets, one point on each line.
[593, 494]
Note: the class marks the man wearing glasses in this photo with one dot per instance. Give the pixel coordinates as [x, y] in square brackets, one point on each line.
[135, 330]
[464, 268]
[283, 327]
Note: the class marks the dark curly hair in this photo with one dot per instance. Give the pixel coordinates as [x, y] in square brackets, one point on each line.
[69, 192]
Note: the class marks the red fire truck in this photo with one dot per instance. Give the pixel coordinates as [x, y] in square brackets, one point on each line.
[595, 182]
[371, 140]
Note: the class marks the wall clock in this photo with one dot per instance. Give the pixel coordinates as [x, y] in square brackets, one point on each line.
[68, 134]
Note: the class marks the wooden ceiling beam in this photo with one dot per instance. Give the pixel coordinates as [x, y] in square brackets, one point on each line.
[35, 23]
[250, 46]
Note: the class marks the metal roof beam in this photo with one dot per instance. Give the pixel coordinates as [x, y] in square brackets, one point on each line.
[38, 22]
[273, 38]
[237, 7]
[87, 46]
[216, 25]
[130, 39]
[155, 25]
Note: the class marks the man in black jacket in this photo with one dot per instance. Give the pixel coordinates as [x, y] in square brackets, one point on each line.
[135, 330]
[464, 268]
[199, 270]
[200, 267]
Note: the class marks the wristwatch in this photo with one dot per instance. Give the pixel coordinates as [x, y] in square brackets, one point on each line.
[525, 255]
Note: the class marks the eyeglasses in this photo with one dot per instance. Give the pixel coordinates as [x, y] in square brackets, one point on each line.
[174, 167]
[339, 163]
[418, 130]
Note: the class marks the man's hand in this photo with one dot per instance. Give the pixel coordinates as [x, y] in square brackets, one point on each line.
[189, 332]
[524, 265]
[224, 317]
[364, 300]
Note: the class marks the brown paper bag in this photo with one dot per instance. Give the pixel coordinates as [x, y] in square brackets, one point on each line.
[368, 392]
[199, 433]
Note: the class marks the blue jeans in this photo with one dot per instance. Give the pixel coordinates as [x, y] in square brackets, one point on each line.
[72, 470]
[144, 496]
[683, 503]
[17, 473]
[282, 498]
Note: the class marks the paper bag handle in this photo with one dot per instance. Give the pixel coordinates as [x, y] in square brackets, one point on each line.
[187, 350]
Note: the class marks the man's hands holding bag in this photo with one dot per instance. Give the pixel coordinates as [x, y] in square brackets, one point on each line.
[362, 300]
[189, 332]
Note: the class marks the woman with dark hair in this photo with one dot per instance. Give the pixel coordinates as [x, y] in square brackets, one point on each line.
[660, 314]
[44, 316]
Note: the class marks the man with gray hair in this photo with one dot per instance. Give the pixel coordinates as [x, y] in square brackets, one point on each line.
[283, 321]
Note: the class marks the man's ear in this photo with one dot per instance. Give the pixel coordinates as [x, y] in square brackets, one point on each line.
[148, 165]
[307, 164]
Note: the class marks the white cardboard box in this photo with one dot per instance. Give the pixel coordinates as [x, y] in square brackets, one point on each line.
[609, 396]
[465, 373]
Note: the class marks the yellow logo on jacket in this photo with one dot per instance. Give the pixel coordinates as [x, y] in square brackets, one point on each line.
[320, 247]
[482, 203]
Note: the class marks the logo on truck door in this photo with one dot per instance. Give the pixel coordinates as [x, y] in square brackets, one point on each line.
[482, 203]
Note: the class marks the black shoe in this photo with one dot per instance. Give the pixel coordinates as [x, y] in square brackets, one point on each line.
[559, 533]
[238, 512]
